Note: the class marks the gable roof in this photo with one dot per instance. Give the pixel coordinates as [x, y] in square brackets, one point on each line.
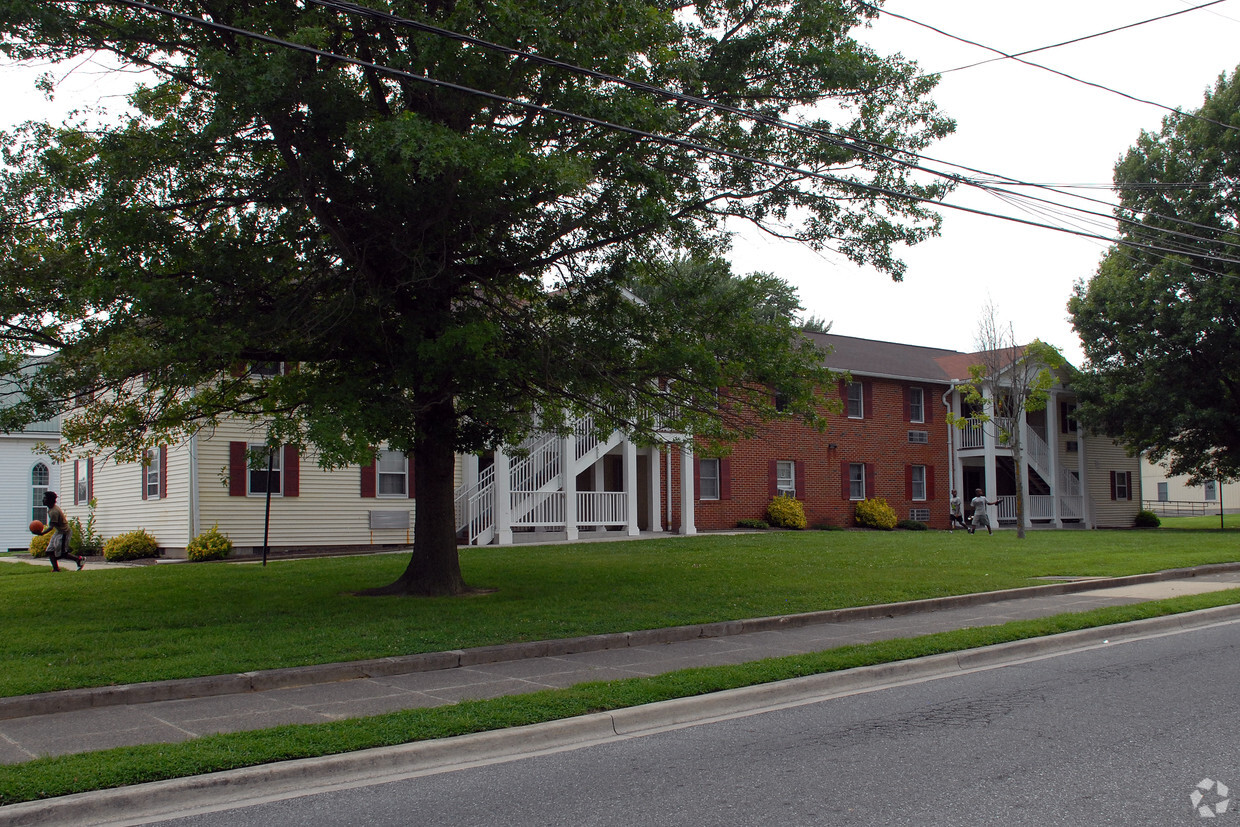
[892, 360]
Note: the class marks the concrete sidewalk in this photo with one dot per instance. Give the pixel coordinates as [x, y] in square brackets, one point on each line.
[72, 721]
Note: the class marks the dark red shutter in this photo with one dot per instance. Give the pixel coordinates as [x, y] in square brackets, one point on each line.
[144, 469]
[844, 492]
[368, 480]
[412, 487]
[725, 478]
[90, 479]
[798, 471]
[238, 468]
[772, 478]
[75, 482]
[929, 482]
[871, 481]
[292, 471]
[1128, 483]
[1112, 485]
[867, 393]
[163, 471]
[908, 482]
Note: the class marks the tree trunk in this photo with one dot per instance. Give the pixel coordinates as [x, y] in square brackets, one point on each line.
[1018, 455]
[434, 568]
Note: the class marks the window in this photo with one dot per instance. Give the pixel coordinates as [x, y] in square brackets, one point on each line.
[785, 477]
[1121, 485]
[856, 481]
[921, 515]
[266, 369]
[916, 405]
[1067, 418]
[393, 473]
[919, 437]
[856, 400]
[919, 482]
[40, 478]
[708, 479]
[153, 476]
[1211, 490]
[1072, 447]
[1162, 492]
[259, 458]
[82, 489]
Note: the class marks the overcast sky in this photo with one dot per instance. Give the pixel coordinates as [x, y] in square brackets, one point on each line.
[1013, 120]
[1024, 123]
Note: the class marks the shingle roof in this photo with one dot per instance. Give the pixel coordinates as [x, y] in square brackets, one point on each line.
[874, 358]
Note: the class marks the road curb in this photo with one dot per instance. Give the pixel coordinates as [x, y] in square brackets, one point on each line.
[186, 796]
[68, 700]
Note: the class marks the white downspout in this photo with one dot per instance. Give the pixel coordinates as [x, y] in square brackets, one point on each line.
[951, 441]
[195, 518]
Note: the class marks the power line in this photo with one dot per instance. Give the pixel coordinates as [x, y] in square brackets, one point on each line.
[1004, 55]
[668, 140]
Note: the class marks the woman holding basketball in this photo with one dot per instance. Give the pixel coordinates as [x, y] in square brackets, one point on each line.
[58, 547]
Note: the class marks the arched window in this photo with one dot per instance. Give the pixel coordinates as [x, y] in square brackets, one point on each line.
[40, 478]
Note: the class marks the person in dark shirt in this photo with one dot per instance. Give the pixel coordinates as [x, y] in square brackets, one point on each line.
[58, 547]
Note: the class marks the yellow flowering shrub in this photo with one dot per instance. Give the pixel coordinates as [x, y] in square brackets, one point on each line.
[210, 545]
[133, 545]
[786, 512]
[876, 513]
[38, 545]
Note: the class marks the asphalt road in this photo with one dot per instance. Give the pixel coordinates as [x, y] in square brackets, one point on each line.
[1121, 733]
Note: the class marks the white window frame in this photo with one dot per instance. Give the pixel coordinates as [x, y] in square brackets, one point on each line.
[856, 481]
[38, 510]
[259, 449]
[1163, 492]
[919, 471]
[855, 392]
[786, 477]
[82, 494]
[265, 370]
[1121, 485]
[152, 473]
[916, 405]
[1211, 490]
[399, 478]
[708, 479]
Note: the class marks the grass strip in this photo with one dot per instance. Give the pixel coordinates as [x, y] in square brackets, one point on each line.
[57, 776]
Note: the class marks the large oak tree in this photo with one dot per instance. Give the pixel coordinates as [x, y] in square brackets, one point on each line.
[446, 269]
[1160, 322]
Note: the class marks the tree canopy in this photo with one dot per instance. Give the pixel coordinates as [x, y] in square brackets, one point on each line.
[441, 219]
[1160, 321]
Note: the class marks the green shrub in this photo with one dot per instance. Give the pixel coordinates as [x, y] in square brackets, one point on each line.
[786, 512]
[1147, 519]
[38, 545]
[85, 540]
[761, 525]
[210, 545]
[912, 525]
[875, 513]
[133, 545]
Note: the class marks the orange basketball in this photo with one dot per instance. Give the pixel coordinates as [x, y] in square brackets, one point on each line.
[36, 527]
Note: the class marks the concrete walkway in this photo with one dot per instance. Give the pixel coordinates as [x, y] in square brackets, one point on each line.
[72, 721]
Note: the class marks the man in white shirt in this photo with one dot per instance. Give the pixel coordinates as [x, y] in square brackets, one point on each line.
[980, 517]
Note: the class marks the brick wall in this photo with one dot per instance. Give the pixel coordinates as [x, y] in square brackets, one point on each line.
[879, 441]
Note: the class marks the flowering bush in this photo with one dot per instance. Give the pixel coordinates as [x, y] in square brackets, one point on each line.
[38, 545]
[210, 545]
[786, 512]
[133, 545]
[876, 513]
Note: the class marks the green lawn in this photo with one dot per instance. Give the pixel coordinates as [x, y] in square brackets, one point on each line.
[158, 622]
[1205, 521]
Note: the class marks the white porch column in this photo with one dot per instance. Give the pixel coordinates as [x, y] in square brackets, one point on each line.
[656, 473]
[686, 491]
[630, 487]
[1052, 450]
[569, 485]
[503, 498]
[990, 441]
[469, 471]
[1022, 471]
[1087, 505]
